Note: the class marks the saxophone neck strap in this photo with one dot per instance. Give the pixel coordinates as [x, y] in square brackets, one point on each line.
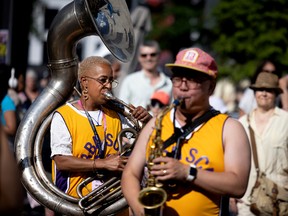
[189, 127]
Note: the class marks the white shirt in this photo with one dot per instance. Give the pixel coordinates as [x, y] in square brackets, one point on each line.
[218, 104]
[272, 149]
[248, 101]
[136, 88]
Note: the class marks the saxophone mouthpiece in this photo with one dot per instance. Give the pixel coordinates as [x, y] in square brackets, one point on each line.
[178, 101]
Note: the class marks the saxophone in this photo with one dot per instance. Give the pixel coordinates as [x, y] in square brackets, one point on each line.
[153, 196]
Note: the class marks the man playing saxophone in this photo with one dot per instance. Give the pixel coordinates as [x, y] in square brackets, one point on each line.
[206, 155]
[84, 132]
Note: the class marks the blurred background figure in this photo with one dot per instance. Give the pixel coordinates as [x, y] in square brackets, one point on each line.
[218, 104]
[283, 83]
[224, 97]
[32, 90]
[270, 132]
[44, 79]
[241, 86]
[138, 87]
[158, 102]
[11, 191]
[116, 65]
[166, 56]
[248, 101]
[28, 89]
[8, 108]
[24, 102]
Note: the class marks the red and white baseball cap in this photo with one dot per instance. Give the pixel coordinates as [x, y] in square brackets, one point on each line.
[195, 59]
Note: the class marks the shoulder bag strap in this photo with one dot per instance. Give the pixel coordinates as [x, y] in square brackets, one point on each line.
[253, 143]
[255, 157]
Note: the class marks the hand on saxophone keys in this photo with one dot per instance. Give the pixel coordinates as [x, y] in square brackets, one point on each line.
[167, 168]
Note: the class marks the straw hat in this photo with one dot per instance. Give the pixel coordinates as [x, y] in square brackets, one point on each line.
[267, 80]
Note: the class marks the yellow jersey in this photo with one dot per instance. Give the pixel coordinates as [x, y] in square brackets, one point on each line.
[83, 145]
[205, 150]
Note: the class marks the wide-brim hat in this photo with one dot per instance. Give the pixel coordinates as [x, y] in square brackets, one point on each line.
[266, 80]
[195, 59]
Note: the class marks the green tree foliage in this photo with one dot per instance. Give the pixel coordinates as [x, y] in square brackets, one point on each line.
[246, 32]
[173, 23]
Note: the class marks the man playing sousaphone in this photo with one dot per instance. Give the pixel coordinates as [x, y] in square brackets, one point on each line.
[84, 132]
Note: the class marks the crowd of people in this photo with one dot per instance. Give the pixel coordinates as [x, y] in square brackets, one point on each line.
[203, 137]
[17, 94]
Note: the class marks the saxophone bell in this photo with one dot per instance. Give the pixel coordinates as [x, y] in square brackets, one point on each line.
[152, 199]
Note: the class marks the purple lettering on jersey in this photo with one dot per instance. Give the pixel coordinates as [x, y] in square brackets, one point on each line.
[109, 139]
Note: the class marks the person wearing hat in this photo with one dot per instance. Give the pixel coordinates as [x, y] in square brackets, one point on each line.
[213, 159]
[270, 127]
[158, 101]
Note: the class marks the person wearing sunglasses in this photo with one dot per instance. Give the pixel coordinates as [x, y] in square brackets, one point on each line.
[268, 129]
[159, 100]
[248, 101]
[138, 87]
[84, 132]
[205, 154]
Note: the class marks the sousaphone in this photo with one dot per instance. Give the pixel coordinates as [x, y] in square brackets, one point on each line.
[108, 19]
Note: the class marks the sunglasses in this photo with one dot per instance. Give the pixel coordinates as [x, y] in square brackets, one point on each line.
[269, 71]
[104, 81]
[266, 90]
[144, 55]
[156, 103]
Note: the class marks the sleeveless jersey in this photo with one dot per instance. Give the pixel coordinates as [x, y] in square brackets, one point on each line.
[83, 145]
[205, 150]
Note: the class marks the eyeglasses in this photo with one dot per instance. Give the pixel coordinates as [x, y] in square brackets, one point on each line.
[144, 55]
[192, 83]
[104, 81]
